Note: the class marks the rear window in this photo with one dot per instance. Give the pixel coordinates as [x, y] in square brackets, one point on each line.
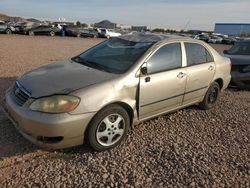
[197, 54]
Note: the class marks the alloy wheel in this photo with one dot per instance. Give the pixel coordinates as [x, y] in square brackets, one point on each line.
[110, 130]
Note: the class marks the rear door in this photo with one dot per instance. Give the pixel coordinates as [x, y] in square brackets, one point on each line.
[200, 72]
[162, 87]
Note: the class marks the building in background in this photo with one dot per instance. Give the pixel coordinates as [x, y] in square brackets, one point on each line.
[139, 28]
[233, 29]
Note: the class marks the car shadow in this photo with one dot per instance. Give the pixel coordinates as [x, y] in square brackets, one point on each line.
[11, 141]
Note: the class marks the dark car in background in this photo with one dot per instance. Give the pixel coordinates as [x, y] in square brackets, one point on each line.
[89, 33]
[6, 28]
[240, 58]
[44, 30]
[71, 31]
[202, 37]
[24, 27]
[228, 40]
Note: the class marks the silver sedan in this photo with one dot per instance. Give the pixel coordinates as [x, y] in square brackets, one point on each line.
[100, 93]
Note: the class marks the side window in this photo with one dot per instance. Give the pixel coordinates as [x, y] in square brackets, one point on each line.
[166, 58]
[197, 54]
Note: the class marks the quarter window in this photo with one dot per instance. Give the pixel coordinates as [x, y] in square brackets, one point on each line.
[197, 54]
[166, 58]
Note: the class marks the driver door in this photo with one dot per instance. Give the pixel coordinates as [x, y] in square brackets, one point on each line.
[162, 85]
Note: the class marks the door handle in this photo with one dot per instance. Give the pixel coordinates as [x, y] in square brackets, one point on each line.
[181, 75]
[147, 79]
[211, 68]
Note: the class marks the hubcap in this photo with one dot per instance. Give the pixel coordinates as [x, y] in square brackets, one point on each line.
[213, 96]
[110, 130]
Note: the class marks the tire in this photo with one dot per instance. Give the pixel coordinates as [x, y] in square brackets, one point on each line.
[52, 33]
[31, 33]
[108, 128]
[78, 35]
[211, 96]
[8, 31]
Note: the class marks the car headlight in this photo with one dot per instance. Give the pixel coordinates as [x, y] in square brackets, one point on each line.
[246, 69]
[55, 104]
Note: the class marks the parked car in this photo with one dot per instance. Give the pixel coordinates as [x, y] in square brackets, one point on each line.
[89, 33]
[109, 33]
[215, 40]
[43, 30]
[100, 93]
[228, 40]
[6, 28]
[202, 37]
[23, 28]
[72, 31]
[240, 58]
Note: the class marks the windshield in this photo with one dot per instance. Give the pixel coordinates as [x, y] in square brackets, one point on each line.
[241, 48]
[115, 55]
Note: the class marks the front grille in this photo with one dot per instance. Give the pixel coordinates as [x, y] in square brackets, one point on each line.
[19, 94]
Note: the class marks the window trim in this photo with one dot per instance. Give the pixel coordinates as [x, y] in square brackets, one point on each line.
[191, 42]
[160, 46]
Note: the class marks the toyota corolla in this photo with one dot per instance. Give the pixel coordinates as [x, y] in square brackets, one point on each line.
[97, 95]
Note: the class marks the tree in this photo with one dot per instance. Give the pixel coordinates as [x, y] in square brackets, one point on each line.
[159, 30]
[78, 23]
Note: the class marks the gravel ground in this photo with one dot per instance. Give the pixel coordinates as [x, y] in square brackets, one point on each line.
[187, 148]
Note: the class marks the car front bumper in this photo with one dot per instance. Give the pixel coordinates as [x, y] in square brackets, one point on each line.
[51, 131]
[240, 80]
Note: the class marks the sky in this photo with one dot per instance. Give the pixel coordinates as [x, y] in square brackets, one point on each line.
[172, 14]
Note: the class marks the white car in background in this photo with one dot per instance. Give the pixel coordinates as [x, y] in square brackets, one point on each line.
[215, 40]
[109, 33]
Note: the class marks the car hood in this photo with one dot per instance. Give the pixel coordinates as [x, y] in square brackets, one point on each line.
[239, 59]
[61, 78]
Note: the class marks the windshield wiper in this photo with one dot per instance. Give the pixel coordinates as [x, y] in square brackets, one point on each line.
[91, 64]
[98, 66]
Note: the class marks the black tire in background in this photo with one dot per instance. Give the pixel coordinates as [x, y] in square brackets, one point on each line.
[31, 33]
[93, 127]
[52, 33]
[211, 96]
[8, 31]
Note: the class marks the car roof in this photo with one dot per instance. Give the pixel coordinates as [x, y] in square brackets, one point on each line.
[151, 37]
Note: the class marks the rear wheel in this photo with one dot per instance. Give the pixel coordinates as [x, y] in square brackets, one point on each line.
[8, 31]
[211, 96]
[52, 33]
[31, 33]
[108, 128]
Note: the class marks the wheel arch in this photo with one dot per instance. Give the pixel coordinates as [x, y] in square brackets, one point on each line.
[124, 105]
[220, 82]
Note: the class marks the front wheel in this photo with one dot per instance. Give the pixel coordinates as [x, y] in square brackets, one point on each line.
[211, 96]
[108, 128]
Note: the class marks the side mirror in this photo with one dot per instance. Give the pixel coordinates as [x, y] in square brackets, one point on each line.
[225, 51]
[144, 71]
